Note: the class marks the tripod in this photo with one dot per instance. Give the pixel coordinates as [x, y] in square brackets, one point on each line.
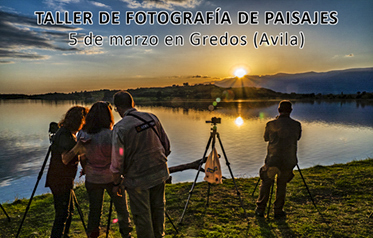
[53, 127]
[73, 196]
[309, 193]
[306, 186]
[6, 214]
[36, 185]
[212, 141]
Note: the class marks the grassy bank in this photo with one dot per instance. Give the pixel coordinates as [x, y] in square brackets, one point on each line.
[343, 195]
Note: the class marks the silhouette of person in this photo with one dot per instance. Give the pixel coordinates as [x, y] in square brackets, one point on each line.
[282, 135]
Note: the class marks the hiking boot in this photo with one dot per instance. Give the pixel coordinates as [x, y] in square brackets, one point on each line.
[279, 215]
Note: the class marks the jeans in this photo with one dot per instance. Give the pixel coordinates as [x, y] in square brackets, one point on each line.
[96, 195]
[148, 210]
[265, 188]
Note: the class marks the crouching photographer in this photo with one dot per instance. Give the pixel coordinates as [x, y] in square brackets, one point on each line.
[282, 135]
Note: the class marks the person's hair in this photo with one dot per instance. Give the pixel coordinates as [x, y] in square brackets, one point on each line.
[285, 106]
[100, 116]
[123, 99]
[74, 118]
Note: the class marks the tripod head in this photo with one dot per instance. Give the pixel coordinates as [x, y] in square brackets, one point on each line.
[214, 121]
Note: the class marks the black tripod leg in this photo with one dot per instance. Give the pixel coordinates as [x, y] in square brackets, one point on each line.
[169, 218]
[109, 218]
[33, 192]
[230, 171]
[79, 210]
[270, 199]
[6, 214]
[256, 185]
[195, 180]
[70, 206]
[309, 193]
[208, 194]
[305, 184]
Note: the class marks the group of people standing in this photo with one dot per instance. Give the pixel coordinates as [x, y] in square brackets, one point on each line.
[128, 156]
[132, 155]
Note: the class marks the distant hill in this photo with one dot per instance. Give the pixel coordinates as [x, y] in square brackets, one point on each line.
[348, 81]
[344, 84]
[149, 95]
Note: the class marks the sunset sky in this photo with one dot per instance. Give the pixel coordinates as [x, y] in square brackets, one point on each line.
[38, 59]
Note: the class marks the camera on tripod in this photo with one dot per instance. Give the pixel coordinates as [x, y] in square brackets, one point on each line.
[53, 128]
[214, 120]
[212, 141]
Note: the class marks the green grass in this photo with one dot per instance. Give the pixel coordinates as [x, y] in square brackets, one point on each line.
[343, 195]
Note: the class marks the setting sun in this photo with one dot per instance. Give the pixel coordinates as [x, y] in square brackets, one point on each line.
[240, 72]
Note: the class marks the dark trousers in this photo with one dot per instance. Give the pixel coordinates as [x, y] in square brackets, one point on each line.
[148, 210]
[64, 207]
[96, 195]
[265, 188]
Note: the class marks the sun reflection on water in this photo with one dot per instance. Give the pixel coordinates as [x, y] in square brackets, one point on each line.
[239, 121]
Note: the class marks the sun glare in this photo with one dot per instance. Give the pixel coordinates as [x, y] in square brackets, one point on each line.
[239, 121]
[240, 72]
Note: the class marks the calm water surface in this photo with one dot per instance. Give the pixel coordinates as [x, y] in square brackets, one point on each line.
[333, 132]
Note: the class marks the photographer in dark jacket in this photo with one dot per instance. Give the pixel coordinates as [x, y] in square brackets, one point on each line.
[282, 135]
[63, 167]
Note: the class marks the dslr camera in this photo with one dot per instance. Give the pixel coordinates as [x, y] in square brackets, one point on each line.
[214, 120]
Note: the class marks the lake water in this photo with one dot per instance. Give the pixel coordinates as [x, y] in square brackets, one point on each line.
[333, 132]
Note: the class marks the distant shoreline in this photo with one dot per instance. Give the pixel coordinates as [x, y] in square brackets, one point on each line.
[198, 92]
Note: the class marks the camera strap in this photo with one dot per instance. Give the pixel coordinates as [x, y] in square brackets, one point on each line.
[146, 125]
[149, 124]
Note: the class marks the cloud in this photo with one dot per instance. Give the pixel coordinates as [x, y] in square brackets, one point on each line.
[15, 54]
[344, 56]
[58, 5]
[98, 4]
[199, 76]
[148, 51]
[91, 51]
[6, 62]
[191, 77]
[20, 34]
[163, 4]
